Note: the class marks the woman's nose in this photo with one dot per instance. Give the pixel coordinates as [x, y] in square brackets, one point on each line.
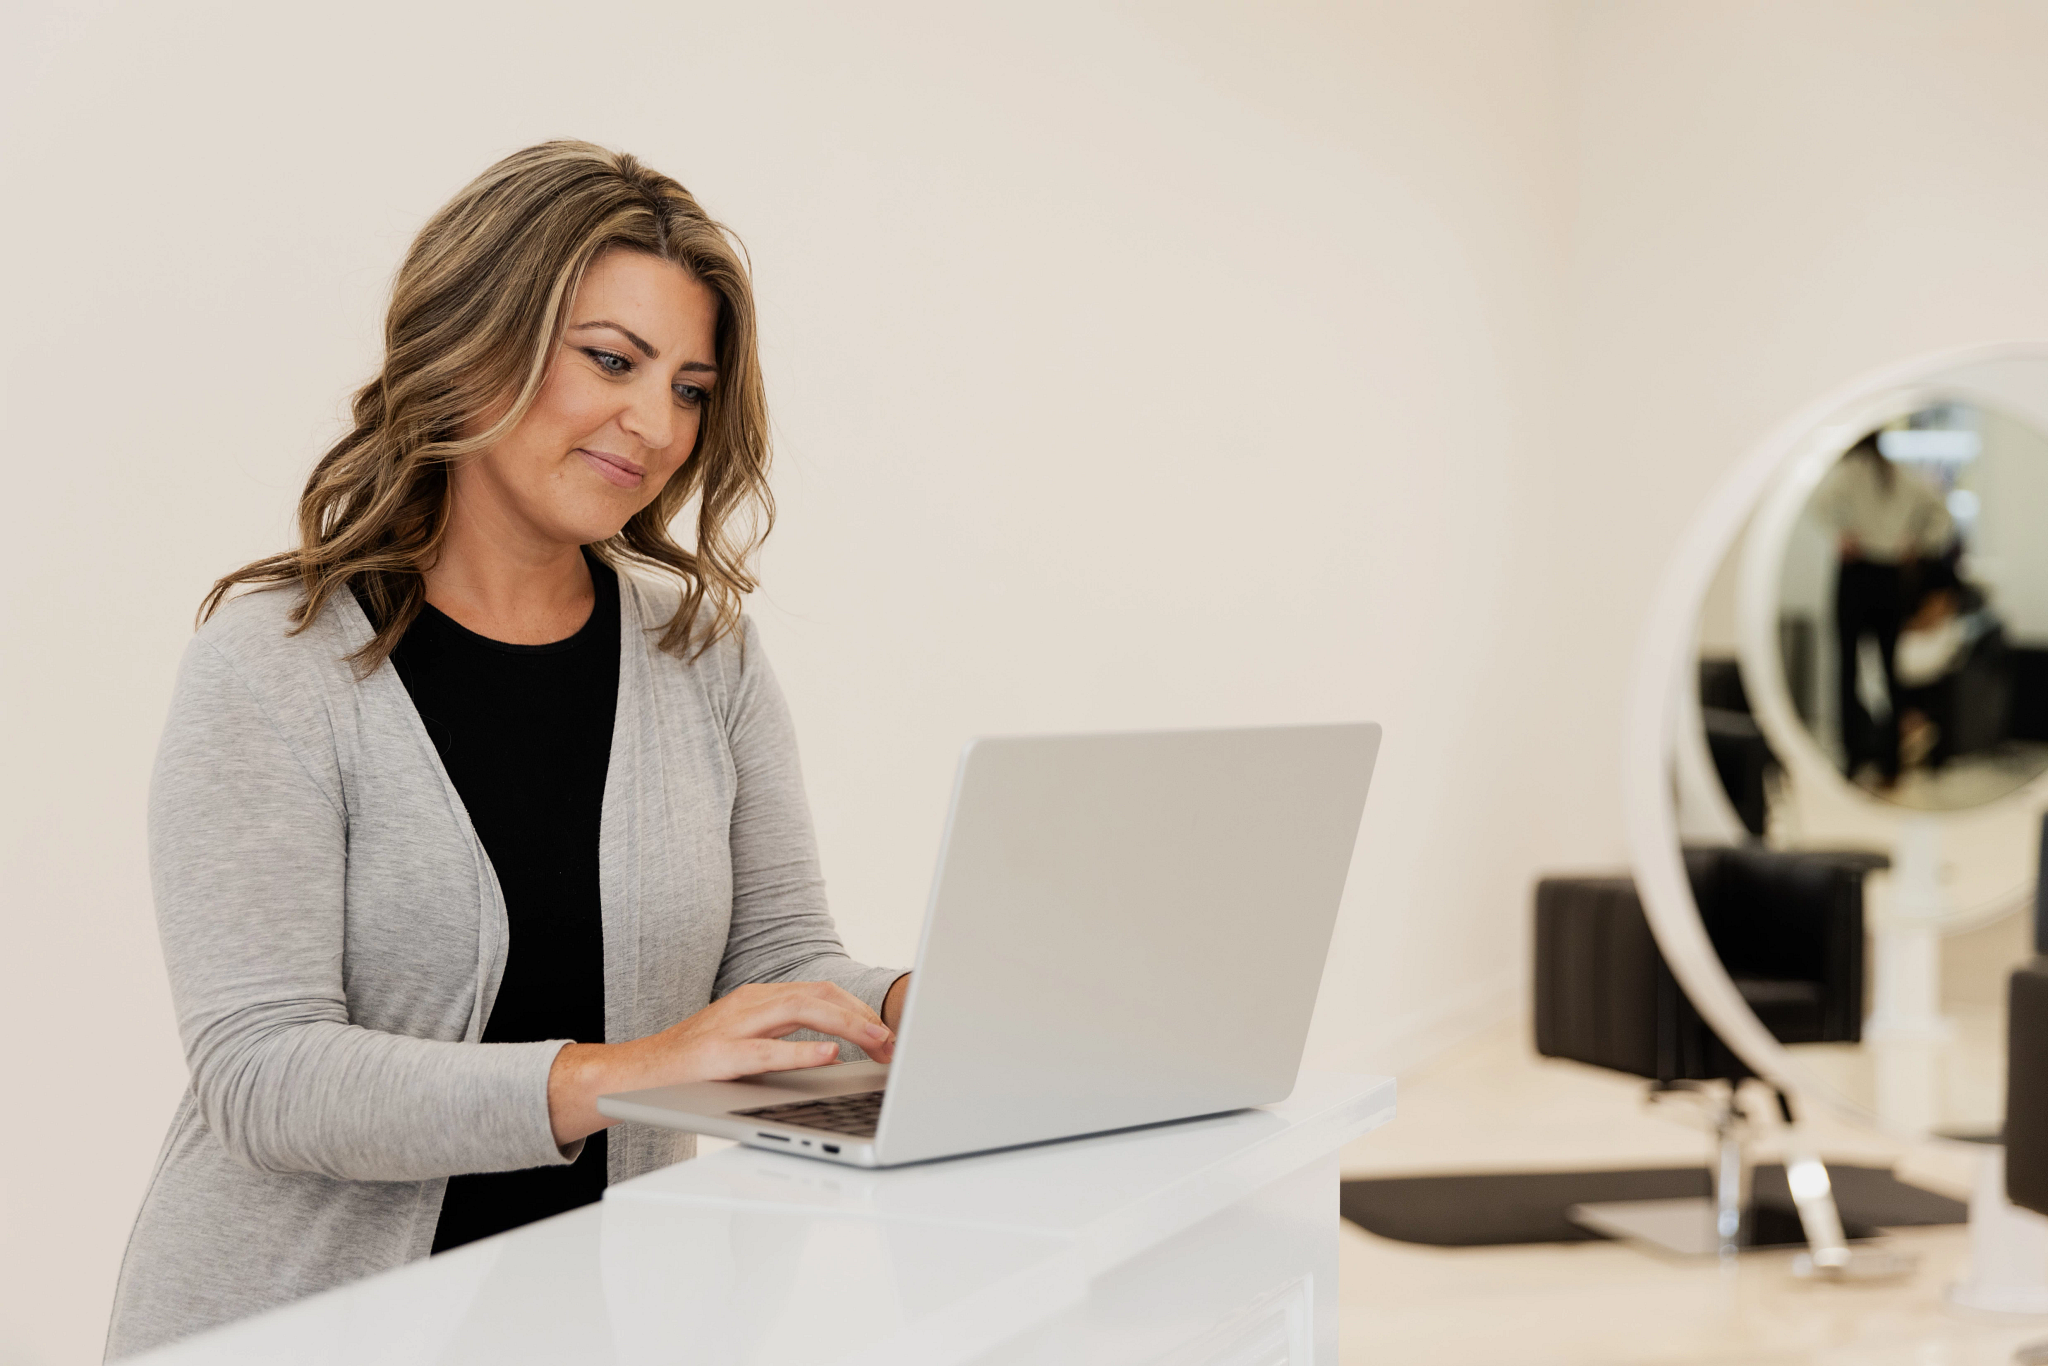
[651, 416]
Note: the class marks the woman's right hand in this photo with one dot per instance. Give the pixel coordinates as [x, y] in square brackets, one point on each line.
[738, 1035]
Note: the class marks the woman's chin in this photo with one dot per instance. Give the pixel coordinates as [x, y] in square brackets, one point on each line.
[595, 535]
[589, 525]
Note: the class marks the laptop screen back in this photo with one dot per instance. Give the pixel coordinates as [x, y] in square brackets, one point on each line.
[1123, 929]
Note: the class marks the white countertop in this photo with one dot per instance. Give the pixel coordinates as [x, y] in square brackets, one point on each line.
[776, 1260]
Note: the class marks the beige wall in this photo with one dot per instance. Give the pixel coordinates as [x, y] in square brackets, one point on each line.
[1134, 365]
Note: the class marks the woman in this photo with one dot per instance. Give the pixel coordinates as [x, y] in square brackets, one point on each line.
[487, 805]
[1885, 521]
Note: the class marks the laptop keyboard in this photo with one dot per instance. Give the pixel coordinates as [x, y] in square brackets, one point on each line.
[854, 1115]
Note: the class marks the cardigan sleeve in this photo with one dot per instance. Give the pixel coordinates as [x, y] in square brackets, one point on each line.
[781, 930]
[248, 852]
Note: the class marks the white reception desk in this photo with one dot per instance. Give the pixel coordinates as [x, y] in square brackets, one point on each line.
[1212, 1241]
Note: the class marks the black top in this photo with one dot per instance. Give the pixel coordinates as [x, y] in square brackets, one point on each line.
[525, 732]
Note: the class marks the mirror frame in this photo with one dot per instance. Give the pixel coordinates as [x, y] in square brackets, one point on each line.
[1666, 667]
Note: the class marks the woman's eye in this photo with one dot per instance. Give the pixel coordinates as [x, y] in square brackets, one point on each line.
[691, 395]
[610, 362]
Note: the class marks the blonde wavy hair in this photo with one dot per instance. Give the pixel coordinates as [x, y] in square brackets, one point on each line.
[476, 314]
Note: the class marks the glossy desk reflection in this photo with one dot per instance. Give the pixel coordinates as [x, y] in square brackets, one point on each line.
[1186, 1243]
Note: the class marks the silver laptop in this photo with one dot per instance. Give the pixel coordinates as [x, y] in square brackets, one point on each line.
[1124, 930]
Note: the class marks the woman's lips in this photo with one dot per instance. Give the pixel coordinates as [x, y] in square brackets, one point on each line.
[613, 469]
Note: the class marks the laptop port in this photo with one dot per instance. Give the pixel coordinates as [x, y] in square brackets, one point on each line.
[779, 1138]
[831, 1147]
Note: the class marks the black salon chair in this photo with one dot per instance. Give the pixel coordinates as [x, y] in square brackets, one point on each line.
[2026, 1063]
[1788, 928]
[2026, 1088]
[2026, 1079]
[2029, 691]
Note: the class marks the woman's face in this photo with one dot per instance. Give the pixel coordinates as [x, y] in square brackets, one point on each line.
[616, 416]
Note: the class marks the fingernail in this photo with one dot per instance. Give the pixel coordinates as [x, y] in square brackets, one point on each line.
[826, 1049]
[878, 1033]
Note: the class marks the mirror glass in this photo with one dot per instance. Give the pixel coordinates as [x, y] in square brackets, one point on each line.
[1913, 608]
[1862, 764]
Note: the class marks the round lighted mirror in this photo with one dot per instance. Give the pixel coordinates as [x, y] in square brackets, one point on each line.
[1848, 671]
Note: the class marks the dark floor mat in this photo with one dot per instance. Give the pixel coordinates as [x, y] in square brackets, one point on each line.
[1488, 1209]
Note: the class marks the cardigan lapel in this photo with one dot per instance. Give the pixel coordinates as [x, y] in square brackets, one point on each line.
[383, 693]
[632, 803]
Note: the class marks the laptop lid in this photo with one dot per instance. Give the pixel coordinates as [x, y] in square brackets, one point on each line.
[1123, 929]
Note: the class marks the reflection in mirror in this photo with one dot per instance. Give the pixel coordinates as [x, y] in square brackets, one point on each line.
[1913, 608]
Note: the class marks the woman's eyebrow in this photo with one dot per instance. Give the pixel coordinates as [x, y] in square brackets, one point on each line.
[694, 366]
[631, 336]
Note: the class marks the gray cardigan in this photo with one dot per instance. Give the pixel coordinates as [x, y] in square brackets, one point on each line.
[335, 936]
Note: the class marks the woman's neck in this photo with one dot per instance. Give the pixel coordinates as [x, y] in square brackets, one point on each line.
[507, 584]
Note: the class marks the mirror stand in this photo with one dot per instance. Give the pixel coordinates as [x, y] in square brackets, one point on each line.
[1906, 983]
[1906, 1032]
